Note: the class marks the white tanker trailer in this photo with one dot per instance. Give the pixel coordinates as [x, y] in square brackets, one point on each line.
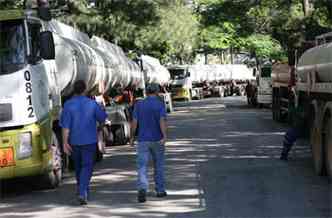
[40, 60]
[154, 72]
[314, 97]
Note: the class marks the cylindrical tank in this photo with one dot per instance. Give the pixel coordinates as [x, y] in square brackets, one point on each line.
[280, 73]
[241, 72]
[98, 62]
[76, 59]
[154, 72]
[124, 71]
[316, 60]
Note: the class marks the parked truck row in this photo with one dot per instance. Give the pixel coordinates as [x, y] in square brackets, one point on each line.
[307, 88]
[201, 81]
[40, 60]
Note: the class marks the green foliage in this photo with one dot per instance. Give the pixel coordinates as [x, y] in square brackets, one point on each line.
[267, 27]
[165, 29]
[172, 31]
[264, 46]
[10, 4]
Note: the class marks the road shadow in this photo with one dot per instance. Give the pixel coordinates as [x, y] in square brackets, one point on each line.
[221, 162]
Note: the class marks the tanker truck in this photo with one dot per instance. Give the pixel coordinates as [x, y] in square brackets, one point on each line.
[181, 84]
[282, 92]
[154, 72]
[192, 81]
[264, 84]
[221, 80]
[40, 61]
[205, 77]
[314, 97]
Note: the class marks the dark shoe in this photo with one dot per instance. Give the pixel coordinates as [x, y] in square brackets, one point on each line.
[82, 201]
[141, 197]
[161, 194]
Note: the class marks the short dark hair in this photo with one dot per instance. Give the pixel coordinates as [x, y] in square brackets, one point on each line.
[79, 87]
[152, 88]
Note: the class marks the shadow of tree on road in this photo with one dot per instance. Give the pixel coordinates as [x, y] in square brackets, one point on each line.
[221, 162]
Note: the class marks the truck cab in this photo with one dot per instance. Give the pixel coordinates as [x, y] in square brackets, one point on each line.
[264, 85]
[181, 84]
[27, 100]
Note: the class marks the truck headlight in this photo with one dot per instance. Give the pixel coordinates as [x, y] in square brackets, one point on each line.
[25, 146]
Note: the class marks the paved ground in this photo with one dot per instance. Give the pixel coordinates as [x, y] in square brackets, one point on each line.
[222, 161]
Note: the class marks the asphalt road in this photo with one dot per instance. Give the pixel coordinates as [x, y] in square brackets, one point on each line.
[222, 161]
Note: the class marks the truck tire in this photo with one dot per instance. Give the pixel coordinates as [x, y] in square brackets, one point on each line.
[317, 148]
[327, 146]
[53, 177]
[120, 137]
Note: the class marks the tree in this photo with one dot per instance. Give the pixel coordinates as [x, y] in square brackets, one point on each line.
[174, 37]
[8, 4]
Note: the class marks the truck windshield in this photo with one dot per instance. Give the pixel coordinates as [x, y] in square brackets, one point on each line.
[266, 72]
[177, 73]
[12, 46]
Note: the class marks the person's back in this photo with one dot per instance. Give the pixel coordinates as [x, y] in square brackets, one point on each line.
[148, 113]
[83, 115]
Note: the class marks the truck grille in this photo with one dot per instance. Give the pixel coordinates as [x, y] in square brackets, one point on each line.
[5, 112]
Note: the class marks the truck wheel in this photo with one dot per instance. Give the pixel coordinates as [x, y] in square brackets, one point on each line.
[316, 148]
[120, 137]
[328, 147]
[53, 178]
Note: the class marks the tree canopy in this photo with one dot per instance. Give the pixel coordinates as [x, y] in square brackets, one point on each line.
[174, 30]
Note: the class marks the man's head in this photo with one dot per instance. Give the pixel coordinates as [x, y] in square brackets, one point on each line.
[79, 87]
[152, 88]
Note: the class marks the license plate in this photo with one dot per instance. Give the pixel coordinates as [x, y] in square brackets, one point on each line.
[7, 157]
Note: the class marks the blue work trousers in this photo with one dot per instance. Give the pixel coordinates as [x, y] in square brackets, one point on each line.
[83, 157]
[157, 152]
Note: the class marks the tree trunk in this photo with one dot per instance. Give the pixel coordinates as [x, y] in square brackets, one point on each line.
[306, 7]
[329, 8]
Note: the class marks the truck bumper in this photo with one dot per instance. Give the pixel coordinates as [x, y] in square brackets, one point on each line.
[180, 94]
[35, 164]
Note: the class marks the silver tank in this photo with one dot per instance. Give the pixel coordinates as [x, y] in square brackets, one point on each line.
[154, 72]
[98, 62]
[316, 60]
[125, 72]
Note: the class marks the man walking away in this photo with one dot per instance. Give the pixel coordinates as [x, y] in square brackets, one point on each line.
[79, 128]
[150, 115]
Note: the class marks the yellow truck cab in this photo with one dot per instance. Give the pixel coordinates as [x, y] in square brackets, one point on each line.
[28, 146]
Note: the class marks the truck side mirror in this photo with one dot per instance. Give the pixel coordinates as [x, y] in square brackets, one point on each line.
[47, 48]
[188, 74]
[254, 71]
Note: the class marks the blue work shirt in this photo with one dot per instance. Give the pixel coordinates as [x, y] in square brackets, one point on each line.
[148, 113]
[80, 115]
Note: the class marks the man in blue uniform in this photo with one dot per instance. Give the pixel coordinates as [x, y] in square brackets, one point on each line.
[79, 128]
[150, 115]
